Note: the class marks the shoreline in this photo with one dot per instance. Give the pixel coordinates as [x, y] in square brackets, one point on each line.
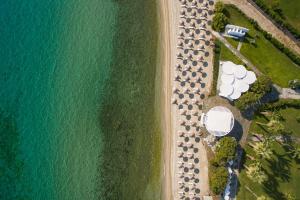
[165, 101]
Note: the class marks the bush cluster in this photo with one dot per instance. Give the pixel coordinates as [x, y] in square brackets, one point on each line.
[219, 20]
[268, 36]
[261, 87]
[218, 180]
[225, 151]
[276, 15]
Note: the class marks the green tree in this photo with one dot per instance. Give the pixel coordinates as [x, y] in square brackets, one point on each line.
[255, 172]
[246, 100]
[274, 126]
[218, 179]
[262, 85]
[219, 22]
[225, 150]
[219, 7]
[263, 198]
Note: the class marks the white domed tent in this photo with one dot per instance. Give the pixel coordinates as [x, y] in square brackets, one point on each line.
[227, 67]
[239, 71]
[226, 90]
[219, 121]
[227, 78]
[250, 77]
[237, 77]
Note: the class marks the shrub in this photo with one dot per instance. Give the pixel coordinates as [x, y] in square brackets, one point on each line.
[294, 84]
[216, 61]
[219, 7]
[298, 119]
[225, 150]
[218, 180]
[219, 22]
[261, 87]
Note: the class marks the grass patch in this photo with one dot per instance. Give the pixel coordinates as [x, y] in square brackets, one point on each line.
[266, 57]
[283, 171]
[227, 55]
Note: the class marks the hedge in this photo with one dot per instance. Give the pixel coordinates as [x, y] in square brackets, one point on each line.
[216, 61]
[276, 17]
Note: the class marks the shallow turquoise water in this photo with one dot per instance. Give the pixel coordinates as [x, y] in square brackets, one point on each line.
[54, 60]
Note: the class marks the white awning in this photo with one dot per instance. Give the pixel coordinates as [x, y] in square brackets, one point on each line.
[227, 67]
[240, 85]
[226, 89]
[227, 78]
[235, 95]
[240, 71]
[250, 77]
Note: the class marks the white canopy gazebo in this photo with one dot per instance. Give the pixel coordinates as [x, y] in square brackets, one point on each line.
[226, 90]
[218, 121]
[239, 71]
[240, 86]
[228, 67]
[227, 78]
[234, 80]
[250, 77]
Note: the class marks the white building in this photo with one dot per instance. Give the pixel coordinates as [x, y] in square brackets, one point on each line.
[218, 121]
[234, 80]
[235, 31]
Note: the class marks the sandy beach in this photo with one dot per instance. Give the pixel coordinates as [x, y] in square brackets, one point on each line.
[171, 116]
[166, 96]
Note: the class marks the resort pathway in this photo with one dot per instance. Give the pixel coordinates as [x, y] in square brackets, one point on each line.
[265, 23]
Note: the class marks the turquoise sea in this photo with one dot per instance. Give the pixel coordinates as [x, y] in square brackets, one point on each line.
[78, 100]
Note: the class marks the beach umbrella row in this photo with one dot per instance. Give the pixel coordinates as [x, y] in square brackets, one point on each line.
[193, 57]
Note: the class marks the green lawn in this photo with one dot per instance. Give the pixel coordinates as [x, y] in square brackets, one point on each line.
[290, 10]
[283, 171]
[227, 55]
[267, 58]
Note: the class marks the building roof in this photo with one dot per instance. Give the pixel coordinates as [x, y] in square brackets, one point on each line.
[236, 77]
[219, 121]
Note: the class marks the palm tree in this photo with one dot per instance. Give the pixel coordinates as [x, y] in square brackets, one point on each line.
[255, 173]
[274, 126]
[289, 196]
[263, 150]
[262, 197]
[295, 152]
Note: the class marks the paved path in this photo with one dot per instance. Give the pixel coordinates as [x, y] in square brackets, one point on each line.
[265, 23]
